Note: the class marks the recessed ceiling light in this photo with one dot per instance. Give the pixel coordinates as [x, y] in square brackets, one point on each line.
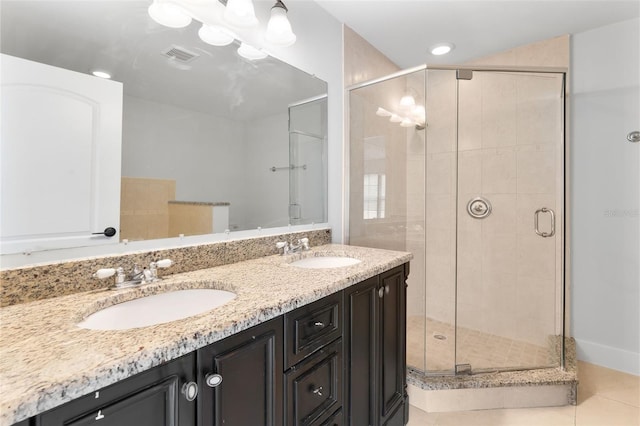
[101, 74]
[441, 48]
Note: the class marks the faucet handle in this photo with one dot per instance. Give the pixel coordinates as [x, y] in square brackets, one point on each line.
[284, 246]
[164, 263]
[304, 242]
[104, 273]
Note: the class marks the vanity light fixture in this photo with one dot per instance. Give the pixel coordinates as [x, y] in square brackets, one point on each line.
[395, 118]
[240, 13]
[279, 31]
[168, 14]
[216, 35]
[407, 102]
[249, 52]
[407, 122]
[101, 74]
[441, 48]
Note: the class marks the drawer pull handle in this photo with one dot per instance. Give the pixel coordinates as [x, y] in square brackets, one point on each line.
[213, 380]
[190, 391]
[100, 416]
[386, 289]
[381, 292]
[318, 391]
[318, 324]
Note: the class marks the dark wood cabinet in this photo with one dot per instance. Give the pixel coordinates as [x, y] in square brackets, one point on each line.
[250, 366]
[151, 398]
[375, 349]
[339, 360]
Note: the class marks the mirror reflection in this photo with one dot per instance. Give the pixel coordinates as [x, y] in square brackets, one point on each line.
[206, 141]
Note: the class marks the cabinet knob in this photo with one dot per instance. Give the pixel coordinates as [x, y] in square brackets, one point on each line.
[318, 324]
[190, 390]
[317, 391]
[381, 292]
[213, 380]
[386, 289]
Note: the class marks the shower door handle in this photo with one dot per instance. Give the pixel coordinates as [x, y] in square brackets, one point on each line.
[553, 222]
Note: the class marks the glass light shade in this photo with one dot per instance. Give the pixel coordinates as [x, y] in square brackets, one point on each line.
[381, 112]
[249, 52]
[240, 13]
[407, 122]
[395, 118]
[169, 15]
[419, 114]
[407, 102]
[279, 31]
[215, 35]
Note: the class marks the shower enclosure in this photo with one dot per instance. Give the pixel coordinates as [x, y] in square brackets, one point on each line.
[464, 167]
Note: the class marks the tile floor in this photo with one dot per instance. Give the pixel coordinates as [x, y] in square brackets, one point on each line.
[605, 398]
[481, 350]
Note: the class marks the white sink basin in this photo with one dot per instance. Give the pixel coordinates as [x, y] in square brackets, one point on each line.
[157, 309]
[325, 262]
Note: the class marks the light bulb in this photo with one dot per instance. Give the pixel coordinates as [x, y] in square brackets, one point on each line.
[279, 31]
[101, 74]
[395, 118]
[249, 52]
[407, 102]
[441, 48]
[240, 13]
[419, 114]
[169, 15]
[215, 35]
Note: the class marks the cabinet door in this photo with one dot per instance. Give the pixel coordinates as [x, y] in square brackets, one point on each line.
[152, 398]
[251, 365]
[392, 338]
[361, 305]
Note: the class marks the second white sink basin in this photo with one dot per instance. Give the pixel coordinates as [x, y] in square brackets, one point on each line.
[325, 262]
[157, 309]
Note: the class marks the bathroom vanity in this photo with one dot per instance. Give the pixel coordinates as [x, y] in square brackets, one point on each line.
[298, 346]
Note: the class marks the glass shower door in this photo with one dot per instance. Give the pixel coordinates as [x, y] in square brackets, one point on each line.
[509, 205]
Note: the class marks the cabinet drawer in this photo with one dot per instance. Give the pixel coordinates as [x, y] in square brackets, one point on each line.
[337, 419]
[312, 326]
[314, 388]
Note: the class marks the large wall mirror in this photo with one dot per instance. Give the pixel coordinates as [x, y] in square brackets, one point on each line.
[198, 140]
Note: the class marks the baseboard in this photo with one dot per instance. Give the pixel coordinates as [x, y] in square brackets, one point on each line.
[608, 356]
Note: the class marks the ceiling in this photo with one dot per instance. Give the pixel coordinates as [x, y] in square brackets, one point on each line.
[119, 37]
[405, 29]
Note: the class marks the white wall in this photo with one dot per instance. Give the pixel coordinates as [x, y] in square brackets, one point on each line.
[605, 223]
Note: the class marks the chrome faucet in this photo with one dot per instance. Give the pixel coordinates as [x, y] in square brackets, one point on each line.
[302, 245]
[137, 277]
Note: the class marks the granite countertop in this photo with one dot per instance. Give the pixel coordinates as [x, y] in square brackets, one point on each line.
[46, 360]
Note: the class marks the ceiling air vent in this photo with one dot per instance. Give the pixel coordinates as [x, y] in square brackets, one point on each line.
[179, 54]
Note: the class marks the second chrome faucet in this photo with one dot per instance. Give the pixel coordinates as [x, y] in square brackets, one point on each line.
[287, 248]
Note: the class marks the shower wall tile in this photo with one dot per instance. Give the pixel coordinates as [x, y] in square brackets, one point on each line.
[536, 257]
[499, 171]
[499, 254]
[362, 61]
[499, 100]
[536, 166]
[538, 110]
[440, 173]
[503, 217]
[469, 115]
[470, 171]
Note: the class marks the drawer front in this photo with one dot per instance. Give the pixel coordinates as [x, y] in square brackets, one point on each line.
[311, 327]
[314, 388]
[337, 419]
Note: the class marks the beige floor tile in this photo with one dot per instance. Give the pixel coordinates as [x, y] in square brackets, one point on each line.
[610, 384]
[417, 417]
[600, 411]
